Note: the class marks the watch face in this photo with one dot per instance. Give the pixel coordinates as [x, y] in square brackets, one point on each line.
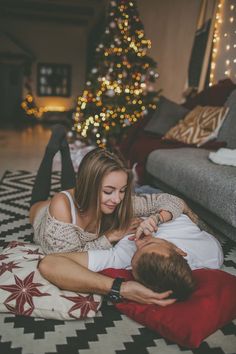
[114, 297]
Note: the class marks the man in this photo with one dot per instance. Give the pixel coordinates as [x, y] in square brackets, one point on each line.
[181, 237]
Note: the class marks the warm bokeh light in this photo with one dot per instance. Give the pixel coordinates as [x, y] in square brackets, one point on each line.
[119, 89]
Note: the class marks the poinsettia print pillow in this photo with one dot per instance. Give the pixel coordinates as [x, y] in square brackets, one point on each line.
[23, 291]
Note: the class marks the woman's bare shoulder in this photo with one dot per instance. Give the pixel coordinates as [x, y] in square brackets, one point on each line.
[59, 207]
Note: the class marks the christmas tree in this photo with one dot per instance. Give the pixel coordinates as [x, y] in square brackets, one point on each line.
[119, 89]
[29, 105]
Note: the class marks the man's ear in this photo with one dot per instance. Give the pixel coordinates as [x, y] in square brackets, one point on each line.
[181, 252]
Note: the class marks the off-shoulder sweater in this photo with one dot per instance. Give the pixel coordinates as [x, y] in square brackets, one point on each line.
[56, 236]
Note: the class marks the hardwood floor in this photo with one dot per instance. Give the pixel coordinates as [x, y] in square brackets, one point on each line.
[22, 148]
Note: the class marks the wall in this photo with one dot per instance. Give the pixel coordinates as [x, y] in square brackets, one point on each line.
[53, 43]
[171, 25]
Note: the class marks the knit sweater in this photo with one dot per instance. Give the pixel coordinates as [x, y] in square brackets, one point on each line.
[56, 236]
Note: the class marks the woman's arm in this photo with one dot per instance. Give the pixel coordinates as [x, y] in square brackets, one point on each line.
[159, 208]
[149, 204]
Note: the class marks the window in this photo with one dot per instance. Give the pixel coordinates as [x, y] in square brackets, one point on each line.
[54, 80]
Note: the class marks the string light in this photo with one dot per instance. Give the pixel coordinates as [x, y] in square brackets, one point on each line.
[30, 107]
[226, 39]
[216, 41]
[230, 45]
[32, 110]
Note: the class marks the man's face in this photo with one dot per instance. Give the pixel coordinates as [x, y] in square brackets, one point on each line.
[150, 244]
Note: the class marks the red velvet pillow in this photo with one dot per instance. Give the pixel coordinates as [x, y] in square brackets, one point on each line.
[133, 134]
[215, 95]
[211, 306]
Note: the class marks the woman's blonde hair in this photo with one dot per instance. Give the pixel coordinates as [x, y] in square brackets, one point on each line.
[94, 167]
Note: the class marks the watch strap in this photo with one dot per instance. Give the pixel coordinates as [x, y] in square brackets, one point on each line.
[114, 293]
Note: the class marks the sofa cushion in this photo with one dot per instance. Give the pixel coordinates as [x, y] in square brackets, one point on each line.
[146, 143]
[167, 114]
[227, 132]
[190, 171]
[199, 126]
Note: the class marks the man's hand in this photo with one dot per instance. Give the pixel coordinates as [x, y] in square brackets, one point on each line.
[134, 291]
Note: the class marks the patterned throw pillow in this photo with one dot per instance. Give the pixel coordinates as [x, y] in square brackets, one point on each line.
[23, 291]
[199, 126]
[167, 114]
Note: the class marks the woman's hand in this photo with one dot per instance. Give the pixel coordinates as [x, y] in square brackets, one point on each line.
[150, 224]
[165, 216]
[146, 227]
[134, 291]
[117, 235]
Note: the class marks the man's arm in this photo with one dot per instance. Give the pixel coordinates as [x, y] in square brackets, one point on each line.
[68, 271]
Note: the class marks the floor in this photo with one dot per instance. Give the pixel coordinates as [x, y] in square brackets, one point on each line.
[108, 332]
[22, 148]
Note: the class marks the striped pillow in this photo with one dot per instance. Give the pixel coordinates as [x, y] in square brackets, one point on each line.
[199, 126]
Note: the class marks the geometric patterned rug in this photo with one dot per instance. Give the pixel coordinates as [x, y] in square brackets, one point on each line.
[109, 332]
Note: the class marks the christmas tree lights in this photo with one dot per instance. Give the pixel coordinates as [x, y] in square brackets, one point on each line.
[28, 104]
[119, 89]
[31, 108]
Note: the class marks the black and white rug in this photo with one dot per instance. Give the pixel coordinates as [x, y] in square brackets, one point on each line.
[109, 332]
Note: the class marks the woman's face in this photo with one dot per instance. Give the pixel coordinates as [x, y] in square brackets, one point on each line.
[113, 190]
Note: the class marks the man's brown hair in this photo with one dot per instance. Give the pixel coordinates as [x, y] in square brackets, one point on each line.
[161, 273]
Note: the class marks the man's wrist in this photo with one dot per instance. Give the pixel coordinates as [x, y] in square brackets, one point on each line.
[114, 293]
[123, 289]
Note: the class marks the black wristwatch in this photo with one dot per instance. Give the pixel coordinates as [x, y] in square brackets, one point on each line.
[114, 293]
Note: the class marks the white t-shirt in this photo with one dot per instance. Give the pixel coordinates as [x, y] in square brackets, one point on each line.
[203, 250]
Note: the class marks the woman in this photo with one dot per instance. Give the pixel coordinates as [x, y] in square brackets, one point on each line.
[98, 209]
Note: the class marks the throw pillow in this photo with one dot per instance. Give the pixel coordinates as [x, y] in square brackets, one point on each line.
[167, 114]
[215, 95]
[211, 306]
[23, 291]
[132, 135]
[199, 126]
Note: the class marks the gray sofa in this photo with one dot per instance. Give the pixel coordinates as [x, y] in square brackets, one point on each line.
[209, 188]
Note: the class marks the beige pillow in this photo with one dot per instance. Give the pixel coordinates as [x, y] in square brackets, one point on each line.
[199, 126]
